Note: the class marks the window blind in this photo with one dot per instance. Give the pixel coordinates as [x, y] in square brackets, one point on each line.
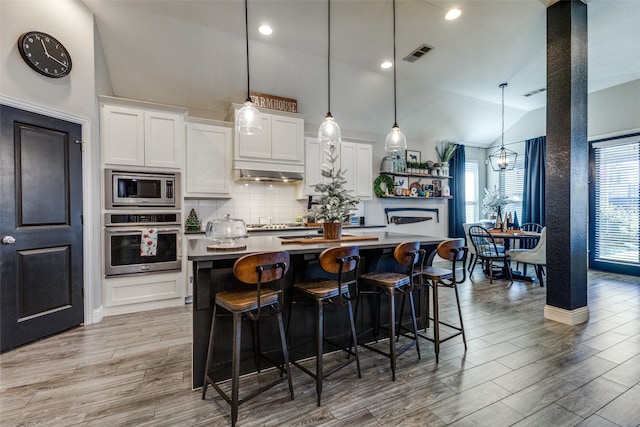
[617, 203]
[471, 191]
[514, 188]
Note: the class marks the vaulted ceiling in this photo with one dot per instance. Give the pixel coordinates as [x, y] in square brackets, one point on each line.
[192, 53]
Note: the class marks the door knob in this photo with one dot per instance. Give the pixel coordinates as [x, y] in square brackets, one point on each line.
[8, 240]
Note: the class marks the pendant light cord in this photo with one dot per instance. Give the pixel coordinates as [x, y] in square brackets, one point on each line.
[246, 33]
[502, 86]
[395, 100]
[328, 58]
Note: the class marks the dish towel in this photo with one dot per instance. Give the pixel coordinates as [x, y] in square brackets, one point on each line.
[149, 242]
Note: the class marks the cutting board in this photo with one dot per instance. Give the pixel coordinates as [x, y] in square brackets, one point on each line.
[320, 239]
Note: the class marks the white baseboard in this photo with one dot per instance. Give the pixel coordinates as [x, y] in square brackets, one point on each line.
[98, 315]
[568, 317]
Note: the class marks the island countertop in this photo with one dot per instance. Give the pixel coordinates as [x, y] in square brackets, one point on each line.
[197, 248]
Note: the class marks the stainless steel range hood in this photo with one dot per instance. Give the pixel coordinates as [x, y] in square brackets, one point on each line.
[268, 176]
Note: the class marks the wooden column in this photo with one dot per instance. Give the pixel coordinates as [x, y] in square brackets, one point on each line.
[567, 162]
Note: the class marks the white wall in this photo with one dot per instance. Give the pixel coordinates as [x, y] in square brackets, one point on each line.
[74, 96]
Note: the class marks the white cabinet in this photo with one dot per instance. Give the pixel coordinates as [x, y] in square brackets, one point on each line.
[130, 294]
[313, 159]
[280, 143]
[355, 158]
[141, 136]
[208, 161]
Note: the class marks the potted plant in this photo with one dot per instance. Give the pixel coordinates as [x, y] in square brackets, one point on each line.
[445, 151]
[492, 201]
[335, 204]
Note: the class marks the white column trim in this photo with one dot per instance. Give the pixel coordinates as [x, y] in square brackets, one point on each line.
[87, 192]
[568, 317]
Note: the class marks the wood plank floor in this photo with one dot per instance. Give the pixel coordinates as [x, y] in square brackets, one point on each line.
[519, 369]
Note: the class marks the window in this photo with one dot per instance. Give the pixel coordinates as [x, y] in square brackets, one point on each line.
[513, 185]
[472, 207]
[615, 205]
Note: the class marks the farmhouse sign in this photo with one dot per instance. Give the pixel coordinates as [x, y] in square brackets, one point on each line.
[273, 102]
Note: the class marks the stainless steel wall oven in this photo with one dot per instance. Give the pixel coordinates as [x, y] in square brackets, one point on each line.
[123, 237]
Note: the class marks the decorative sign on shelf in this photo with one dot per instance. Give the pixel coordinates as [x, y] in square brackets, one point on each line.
[273, 102]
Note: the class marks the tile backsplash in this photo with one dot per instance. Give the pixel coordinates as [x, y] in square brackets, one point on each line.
[252, 201]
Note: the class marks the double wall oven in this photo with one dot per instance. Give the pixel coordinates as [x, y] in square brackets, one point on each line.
[136, 203]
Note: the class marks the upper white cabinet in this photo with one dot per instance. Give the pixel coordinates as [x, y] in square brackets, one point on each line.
[281, 143]
[357, 161]
[313, 159]
[355, 158]
[141, 134]
[208, 161]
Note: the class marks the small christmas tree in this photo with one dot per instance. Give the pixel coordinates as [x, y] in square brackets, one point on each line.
[192, 223]
[335, 203]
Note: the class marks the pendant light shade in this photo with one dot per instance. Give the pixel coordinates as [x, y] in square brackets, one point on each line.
[249, 119]
[503, 159]
[329, 131]
[396, 142]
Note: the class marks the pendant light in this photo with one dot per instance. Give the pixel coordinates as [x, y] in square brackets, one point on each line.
[329, 132]
[249, 120]
[503, 159]
[396, 142]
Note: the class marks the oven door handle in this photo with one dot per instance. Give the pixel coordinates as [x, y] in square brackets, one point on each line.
[129, 230]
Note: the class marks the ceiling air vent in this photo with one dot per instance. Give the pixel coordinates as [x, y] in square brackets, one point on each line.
[535, 92]
[417, 53]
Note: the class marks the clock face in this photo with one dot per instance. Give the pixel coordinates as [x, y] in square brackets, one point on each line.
[45, 54]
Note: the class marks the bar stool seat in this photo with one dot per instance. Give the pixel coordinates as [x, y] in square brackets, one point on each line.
[259, 269]
[391, 283]
[456, 252]
[344, 262]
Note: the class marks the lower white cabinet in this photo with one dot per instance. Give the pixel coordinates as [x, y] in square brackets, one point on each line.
[130, 294]
[208, 161]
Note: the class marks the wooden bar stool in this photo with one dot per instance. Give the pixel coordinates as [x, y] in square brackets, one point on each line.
[456, 252]
[391, 283]
[254, 269]
[344, 262]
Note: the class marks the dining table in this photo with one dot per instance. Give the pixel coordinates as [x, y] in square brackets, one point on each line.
[510, 237]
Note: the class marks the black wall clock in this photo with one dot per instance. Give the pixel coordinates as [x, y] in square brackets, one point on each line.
[45, 54]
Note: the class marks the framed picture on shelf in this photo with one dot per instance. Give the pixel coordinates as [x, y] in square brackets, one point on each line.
[412, 156]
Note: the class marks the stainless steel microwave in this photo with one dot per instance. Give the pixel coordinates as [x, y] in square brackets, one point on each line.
[141, 189]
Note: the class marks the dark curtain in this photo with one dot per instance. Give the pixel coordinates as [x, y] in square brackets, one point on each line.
[534, 180]
[457, 211]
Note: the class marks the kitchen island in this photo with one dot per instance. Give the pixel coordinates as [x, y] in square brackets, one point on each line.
[213, 272]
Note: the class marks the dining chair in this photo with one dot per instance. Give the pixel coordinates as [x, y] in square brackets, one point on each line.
[536, 256]
[258, 294]
[487, 252]
[339, 290]
[471, 249]
[524, 243]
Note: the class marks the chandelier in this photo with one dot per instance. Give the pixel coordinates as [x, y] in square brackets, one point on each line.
[503, 159]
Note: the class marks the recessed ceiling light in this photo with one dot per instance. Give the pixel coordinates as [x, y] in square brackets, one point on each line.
[265, 30]
[453, 14]
[386, 64]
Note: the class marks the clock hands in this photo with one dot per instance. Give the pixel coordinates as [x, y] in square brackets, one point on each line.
[59, 62]
[46, 52]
